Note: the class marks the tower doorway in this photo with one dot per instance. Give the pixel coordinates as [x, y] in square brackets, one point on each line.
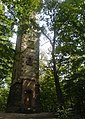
[28, 97]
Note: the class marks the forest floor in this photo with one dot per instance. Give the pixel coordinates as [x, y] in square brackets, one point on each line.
[27, 116]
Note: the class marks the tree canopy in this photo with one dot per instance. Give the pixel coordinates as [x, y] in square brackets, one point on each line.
[64, 28]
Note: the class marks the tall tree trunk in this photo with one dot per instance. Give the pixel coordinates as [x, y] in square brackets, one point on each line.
[56, 77]
[57, 84]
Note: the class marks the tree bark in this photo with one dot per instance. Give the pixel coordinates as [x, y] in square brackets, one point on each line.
[55, 73]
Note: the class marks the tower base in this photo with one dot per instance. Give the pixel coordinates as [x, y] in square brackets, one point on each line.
[24, 97]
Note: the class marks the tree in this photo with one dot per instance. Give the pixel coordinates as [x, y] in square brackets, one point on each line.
[49, 17]
[48, 93]
[65, 22]
[6, 54]
[47, 86]
[70, 27]
[6, 47]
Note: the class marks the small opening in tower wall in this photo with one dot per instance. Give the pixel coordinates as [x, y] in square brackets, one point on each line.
[29, 61]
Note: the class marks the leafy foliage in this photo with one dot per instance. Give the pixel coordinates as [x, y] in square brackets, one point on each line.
[6, 54]
[6, 47]
[48, 93]
[3, 98]
[70, 30]
[68, 20]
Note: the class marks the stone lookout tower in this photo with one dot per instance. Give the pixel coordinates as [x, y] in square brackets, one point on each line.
[24, 91]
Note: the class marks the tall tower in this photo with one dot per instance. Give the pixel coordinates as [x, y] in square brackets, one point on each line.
[24, 91]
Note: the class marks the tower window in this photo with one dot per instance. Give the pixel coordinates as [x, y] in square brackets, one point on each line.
[29, 61]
